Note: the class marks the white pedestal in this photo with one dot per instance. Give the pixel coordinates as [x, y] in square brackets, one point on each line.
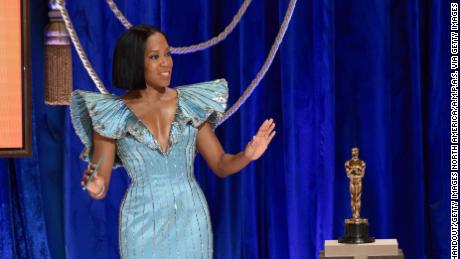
[381, 247]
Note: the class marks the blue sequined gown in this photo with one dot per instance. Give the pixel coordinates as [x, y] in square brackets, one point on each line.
[164, 213]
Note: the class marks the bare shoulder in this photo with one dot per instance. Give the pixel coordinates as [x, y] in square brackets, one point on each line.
[171, 94]
[129, 97]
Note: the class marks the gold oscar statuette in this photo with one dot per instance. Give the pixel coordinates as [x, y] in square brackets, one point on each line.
[356, 228]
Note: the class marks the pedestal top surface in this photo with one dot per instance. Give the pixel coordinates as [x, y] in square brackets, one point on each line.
[379, 247]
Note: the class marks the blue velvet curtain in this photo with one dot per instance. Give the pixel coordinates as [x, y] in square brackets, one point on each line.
[372, 74]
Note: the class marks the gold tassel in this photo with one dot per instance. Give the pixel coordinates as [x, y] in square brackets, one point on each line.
[58, 61]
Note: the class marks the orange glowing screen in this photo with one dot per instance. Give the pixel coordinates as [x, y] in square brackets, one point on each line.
[11, 128]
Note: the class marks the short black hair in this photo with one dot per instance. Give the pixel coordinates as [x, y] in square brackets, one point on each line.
[128, 57]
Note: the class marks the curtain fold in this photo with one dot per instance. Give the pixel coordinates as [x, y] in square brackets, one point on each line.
[372, 74]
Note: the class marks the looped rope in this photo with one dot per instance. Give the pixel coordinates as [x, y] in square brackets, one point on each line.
[119, 14]
[78, 47]
[266, 65]
[254, 83]
[196, 47]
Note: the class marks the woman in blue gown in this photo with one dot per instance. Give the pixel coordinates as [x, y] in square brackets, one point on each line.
[154, 131]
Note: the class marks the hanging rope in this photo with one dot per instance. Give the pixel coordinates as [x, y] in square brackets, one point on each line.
[118, 14]
[254, 83]
[196, 47]
[78, 47]
[266, 65]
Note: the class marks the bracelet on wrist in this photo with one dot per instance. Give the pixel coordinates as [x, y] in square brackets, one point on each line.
[100, 193]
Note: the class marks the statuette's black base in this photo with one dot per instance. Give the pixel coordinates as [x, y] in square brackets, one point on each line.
[356, 233]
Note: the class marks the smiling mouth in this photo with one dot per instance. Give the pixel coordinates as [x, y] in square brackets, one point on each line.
[166, 74]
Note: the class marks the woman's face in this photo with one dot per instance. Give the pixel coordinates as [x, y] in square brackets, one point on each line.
[158, 62]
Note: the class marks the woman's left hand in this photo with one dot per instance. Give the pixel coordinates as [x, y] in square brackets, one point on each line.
[259, 143]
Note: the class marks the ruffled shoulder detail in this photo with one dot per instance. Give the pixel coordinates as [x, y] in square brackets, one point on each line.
[104, 113]
[202, 102]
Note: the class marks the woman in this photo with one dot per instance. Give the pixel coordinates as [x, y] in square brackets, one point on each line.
[154, 132]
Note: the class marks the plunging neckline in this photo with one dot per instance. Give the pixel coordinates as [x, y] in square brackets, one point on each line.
[171, 128]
